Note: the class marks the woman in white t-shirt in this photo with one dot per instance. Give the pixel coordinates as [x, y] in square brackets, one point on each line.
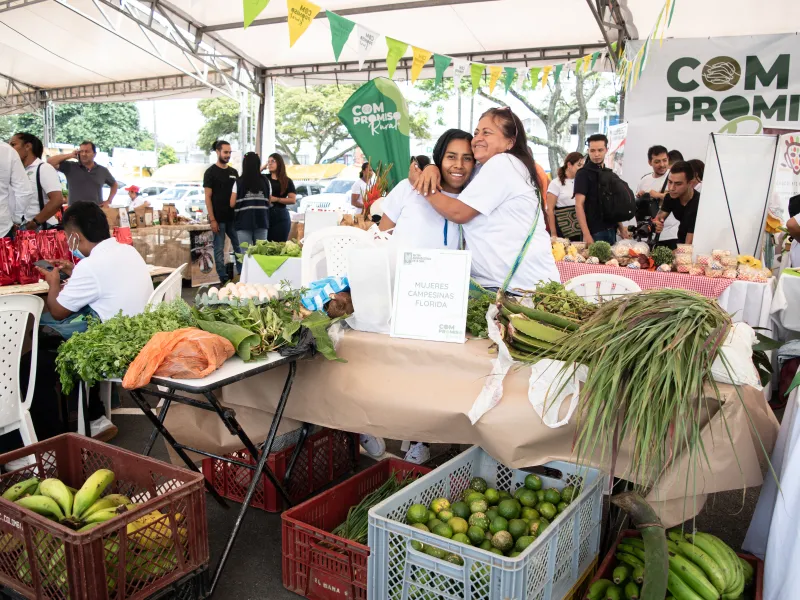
[359, 188]
[560, 195]
[415, 222]
[500, 209]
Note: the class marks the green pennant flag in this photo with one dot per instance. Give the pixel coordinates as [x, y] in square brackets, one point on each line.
[511, 72]
[671, 12]
[535, 77]
[644, 57]
[595, 56]
[341, 29]
[557, 72]
[396, 50]
[252, 8]
[440, 63]
[476, 71]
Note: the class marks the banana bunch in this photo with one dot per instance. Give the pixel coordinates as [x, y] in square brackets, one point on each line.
[701, 567]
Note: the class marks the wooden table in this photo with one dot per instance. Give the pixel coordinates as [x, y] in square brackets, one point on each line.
[41, 287]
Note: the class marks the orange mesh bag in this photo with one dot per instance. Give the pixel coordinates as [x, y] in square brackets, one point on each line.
[184, 354]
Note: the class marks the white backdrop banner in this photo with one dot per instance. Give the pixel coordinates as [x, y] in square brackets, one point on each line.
[694, 87]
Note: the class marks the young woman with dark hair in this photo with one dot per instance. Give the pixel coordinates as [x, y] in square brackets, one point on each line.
[283, 193]
[359, 188]
[500, 209]
[561, 201]
[250, 201]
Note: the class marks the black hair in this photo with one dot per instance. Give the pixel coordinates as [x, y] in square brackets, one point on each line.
[280, 173]
[88, 143]
[89, 219]
[699, 167]
[794, 206]
[443, 142]
[252, 180]
[683, 167]
[36, 144]
[513, 129]
[363, 169]
[423, 161]
[674, 156]
[656, 151]
[597, 137]
[569, 159]
[219, 144]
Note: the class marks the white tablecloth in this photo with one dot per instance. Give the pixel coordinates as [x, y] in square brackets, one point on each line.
[786, 303]
[749, 302]
[290, 270]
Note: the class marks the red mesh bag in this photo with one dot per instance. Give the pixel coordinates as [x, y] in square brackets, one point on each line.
[28, 253]
[9, 266]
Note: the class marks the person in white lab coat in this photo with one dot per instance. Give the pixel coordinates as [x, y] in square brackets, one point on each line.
[16, 191]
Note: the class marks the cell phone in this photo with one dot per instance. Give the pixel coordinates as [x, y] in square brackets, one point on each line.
[47, 266]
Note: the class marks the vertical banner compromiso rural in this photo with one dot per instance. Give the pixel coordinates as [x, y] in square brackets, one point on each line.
[376, 115]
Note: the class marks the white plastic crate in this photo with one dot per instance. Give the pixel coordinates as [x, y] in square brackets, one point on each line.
[546, 570]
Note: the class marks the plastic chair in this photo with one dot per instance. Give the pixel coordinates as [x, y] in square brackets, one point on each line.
[329, 244]
[598, 287]
[170, 288]
[14, 411]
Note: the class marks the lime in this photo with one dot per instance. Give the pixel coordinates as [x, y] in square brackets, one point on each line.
[434, 552]
[504, 495]
[476, 535]
[460, 509]
[443, 530]
[420, 526]
[478, 506]
[478, 484]
[514, 554]
[471, 496]
[517, 528]
[492, 513]
[455, 559]
[552, 495]
[531, 514]
[540, 494]
[458, 525]
[433, 523]
[492, 496]
[417, 513]
[524, 542]
[445, 515]
[547, 510]
[509, 509]
[498, 524]
[479, 520]
[533, 482]
[535, 528]
[462, 537]
[528, 498]
[485, 545]
[431, 515]
[440, 504]
[494, 550]
[518, 492]
[568, 494]
[417, 545]
[543, 524]
[562, 506]
[503, 541]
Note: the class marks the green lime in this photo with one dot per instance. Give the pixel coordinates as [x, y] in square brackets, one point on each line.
[434, 552]
[485, 545]
[417, 545]
[443, 530]
[478, 484]
[471, 496]
[479, 520]
[531, 514]
[517, 528]
[543, 524]
[568, 494]
[524, 542]
[476, 535]
[445, 515]
[535, 528]
[528, 498]
[552, 495]
[462, 537]
[514, 554]
[433, 523]
[504, 495]
[509, 509]
[533, 482]
[518, 492]
[440, 504]
[492, 513]
[460, 509]
[420, 526]
[431, 516]
[417, 513]
[494, 550]
[540, 495]
[455, 559]
[562, 506]
[503, 541]
[478, 506]
[498, 524]
[458, 525]
[492, 496]
[548, 510]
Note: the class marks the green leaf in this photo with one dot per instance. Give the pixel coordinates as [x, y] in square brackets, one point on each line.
[766, 343]
[241, 339]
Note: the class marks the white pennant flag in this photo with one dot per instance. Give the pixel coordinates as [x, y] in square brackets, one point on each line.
[522, 75]
[366, 40]
[460, 68]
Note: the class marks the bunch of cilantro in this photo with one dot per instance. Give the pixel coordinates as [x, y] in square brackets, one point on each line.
[105, 350]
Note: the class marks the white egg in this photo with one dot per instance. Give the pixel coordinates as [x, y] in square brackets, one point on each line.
[234, 293]
[263, 296]
[213, 291]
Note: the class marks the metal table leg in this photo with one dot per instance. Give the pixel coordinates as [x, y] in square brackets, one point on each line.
[262, 461]
[298, 448]
[162, 414]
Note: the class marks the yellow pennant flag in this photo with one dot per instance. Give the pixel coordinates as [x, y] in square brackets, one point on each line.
[586, 60]
[664, 28]
[301, 13]
[546, 74]
[494, 75]
[421, 58]
[658, 22]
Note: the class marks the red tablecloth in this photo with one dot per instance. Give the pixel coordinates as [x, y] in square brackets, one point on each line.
[710, 287]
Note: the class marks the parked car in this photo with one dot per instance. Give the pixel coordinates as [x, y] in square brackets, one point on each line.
[304, 189]
[121, 200]
[336, 196]
[190, 202]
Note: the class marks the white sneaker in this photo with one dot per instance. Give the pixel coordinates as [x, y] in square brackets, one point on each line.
[418, 454]
[20, 463]
[103, 430]
[372, 445]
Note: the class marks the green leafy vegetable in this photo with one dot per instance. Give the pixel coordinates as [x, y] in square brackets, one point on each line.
[318, 323]
[242, 339]
[476, 315]
[265, 248]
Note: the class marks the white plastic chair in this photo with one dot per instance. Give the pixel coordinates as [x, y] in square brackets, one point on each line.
[14, 411]
[329, 244]
[599, 287]
[170, 288]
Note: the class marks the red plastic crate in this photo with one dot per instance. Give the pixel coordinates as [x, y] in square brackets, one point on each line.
[323, 566]
[326, 456]
[610, 563]
[41, 559]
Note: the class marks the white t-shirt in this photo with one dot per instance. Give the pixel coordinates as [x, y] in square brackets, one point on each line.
[417, 224]
[563, 192]
[113, 277]
[506, 200]
[139, 201]
[671, 224]
[15, 188]
[48, 178]
[794, 254]
[360, 188]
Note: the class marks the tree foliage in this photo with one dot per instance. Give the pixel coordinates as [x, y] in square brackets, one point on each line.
[222, 121]
[166, 153]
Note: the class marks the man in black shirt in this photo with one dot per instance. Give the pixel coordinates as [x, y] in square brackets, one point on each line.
[682, 201]
[218, 182]
[587, 196]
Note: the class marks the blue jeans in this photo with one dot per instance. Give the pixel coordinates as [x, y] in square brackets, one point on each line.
[219, 248]
[75, 323]
[251, 236]
[606, 235]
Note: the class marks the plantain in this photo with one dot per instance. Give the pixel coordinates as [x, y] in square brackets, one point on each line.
[91, 490]
[47, 507]
[110, 501]
[56, 490]
[16, 491]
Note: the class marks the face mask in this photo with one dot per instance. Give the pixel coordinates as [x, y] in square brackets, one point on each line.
[73, 246]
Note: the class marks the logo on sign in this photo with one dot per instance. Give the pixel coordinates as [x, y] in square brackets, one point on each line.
[791, 155]
[376, 117]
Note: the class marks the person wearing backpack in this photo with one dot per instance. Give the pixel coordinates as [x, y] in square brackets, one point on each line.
[603, 202]
[250, 201]
[49, 197]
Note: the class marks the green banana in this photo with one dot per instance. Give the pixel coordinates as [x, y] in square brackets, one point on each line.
[16, 491]
[678, 588]
[110, 501]
[631, 591]
[675, 535]
[55, 489]
[637, 552]
[749, 572]
[621, 574]
[118, 499]
[88, 527]
[614, 593]
[101, 516]
[629, 559]
[635, 542]
[709, 546]
[91, 491]
[47, 507]
[598, 589]
[736, 585]
[693, 576]
[638, 574]
[712, 570]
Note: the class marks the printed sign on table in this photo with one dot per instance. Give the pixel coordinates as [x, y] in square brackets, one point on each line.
[204, 268]
[430, 295]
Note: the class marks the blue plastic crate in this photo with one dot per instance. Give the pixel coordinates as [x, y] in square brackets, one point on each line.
[546, 570]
